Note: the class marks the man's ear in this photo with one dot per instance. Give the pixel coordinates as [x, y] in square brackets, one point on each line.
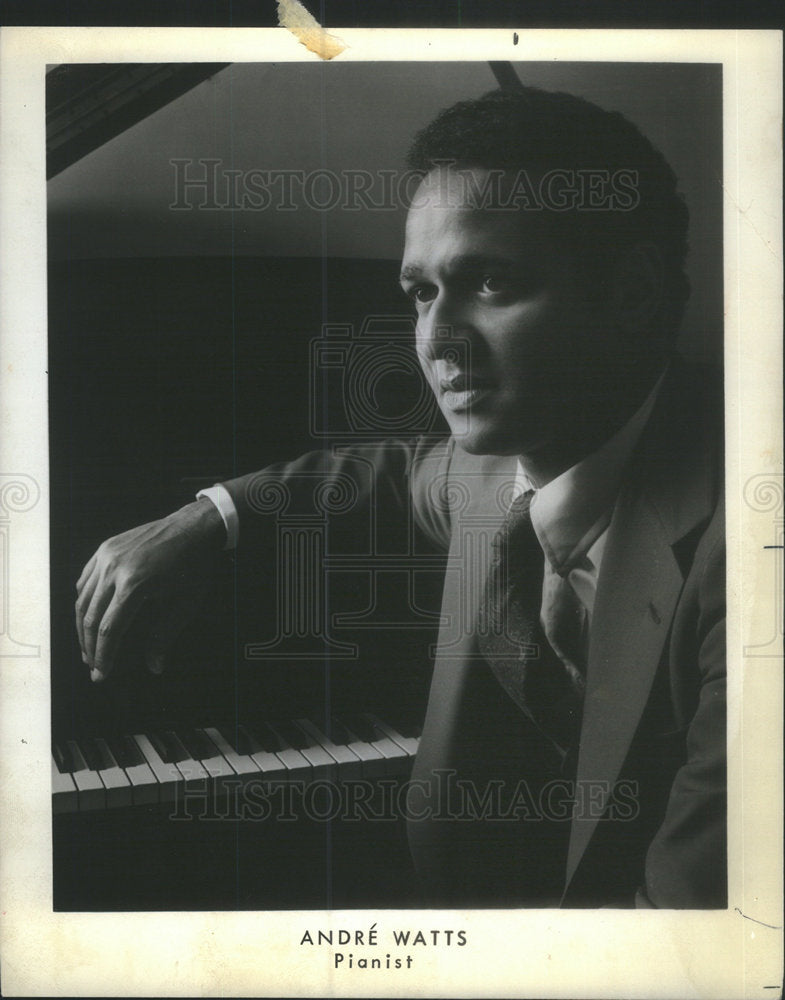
[638, 283]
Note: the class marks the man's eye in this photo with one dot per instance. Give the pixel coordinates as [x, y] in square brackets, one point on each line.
[492, 283]
[421, 293]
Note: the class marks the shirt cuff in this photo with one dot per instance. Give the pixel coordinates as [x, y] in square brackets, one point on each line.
[220, 496]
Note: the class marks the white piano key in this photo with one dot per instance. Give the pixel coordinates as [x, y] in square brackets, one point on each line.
[92, 794]
[222, 776]
[297, 767]
[144, 787]
[214, 762]
[322, 763]
[65, 798]
[348, 764]
[269, 763]
[374, 765]
[168, 776]
[408, 743]
[242, 764]
[396, 759]
[193, 772]
[113, 778]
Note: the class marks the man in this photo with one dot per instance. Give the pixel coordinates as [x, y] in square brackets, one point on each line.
[573, 750]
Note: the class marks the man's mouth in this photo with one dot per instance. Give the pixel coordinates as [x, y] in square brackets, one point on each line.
[461, 390]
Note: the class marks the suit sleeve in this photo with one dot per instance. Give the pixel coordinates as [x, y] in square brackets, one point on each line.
[395, 483]
[686, 864]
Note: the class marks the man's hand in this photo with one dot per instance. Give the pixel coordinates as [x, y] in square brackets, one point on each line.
[166, 563]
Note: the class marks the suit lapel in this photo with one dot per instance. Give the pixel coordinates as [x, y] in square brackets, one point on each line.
[667, 493]
[641, 582]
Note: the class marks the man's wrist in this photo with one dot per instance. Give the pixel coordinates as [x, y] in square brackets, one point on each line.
[202, 518]
[221, 499]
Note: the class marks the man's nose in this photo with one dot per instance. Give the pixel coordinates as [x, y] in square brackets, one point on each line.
[444, 331]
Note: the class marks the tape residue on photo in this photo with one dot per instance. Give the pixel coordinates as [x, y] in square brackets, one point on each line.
[307, 30]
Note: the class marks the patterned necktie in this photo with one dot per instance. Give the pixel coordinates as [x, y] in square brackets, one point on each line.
[510, 636]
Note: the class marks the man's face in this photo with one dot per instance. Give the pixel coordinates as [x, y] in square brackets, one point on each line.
[506, 340]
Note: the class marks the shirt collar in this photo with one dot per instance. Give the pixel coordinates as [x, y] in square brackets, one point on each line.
[571, 512]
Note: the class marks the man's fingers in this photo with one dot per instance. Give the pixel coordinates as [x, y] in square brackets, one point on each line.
[81, 608]
[152, 560]
[114, 623]
[85, 574]
[92, 620]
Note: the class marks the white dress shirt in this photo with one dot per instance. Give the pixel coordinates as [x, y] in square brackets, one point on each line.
[222, 499]
[571, 513]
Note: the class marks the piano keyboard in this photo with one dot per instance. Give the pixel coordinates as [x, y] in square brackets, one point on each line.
[147, 768]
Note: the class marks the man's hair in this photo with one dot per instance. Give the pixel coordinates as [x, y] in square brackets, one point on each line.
[530, 129]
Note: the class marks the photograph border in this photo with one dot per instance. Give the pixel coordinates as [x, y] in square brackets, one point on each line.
[607, 953]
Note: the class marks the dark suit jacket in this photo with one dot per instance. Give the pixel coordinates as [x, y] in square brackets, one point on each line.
[636, 813]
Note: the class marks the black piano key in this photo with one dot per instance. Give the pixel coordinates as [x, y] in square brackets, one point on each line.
[396, 758]
[119, 791]
[408, 744]
[124, 750]
[177, 747]
[347, 763]
[65, 797]
[62, 757]
[337, 731]
[321, 761]
[297, 766]
[243, 740]
[361, 727]
[374, 764]
[78, 762]
[103, 755]
[162, 748]
[293, 735]
[406, 726]
[91, 789]
[146, 789]
[91, 755]
[198, 745]
[190, 768]
[268, 762]
[144, 786]
[242, 764]
[235, 735]
[203, 751]
[167, 774]
[269, 739]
